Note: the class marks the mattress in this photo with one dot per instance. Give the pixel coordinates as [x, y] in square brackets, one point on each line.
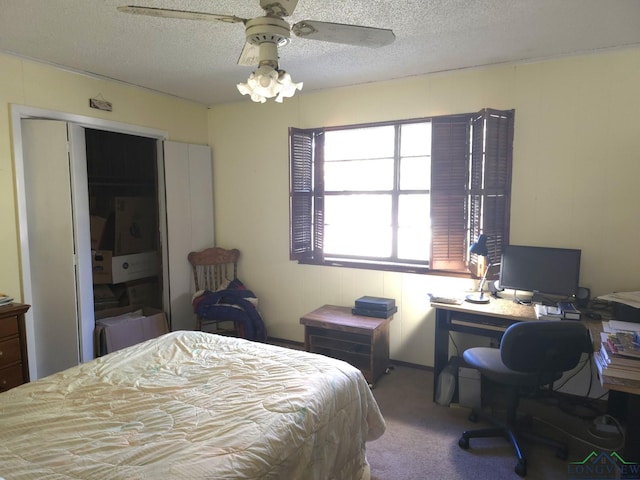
[192, 405]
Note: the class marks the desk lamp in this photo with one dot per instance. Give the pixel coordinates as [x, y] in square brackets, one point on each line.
[480, 248]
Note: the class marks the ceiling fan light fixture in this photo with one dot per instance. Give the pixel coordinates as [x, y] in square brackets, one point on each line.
[268, 82]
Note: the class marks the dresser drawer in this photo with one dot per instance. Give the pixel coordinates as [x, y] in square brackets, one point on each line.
[11, 377]
[8, 326]
[10, 352]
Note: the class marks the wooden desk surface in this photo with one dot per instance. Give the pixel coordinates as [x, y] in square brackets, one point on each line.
[497, 307]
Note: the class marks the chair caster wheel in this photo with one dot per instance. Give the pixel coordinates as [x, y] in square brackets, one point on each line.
[521, 469]
[463, 443]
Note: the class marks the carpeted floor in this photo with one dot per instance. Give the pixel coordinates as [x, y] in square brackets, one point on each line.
[421, 440]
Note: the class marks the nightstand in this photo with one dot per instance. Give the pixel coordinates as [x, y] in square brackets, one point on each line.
[361, 341]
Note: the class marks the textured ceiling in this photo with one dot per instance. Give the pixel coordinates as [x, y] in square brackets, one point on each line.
[196, 60]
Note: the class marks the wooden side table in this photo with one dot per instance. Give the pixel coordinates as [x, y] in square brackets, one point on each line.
[14, 365]
[361, 341]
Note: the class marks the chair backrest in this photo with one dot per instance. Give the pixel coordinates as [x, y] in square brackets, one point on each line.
[213, 267]
[544, 346]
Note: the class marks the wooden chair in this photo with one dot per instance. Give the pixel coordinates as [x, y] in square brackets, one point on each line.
[213, 268]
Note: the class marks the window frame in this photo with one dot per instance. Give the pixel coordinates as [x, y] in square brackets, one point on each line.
[471, 164]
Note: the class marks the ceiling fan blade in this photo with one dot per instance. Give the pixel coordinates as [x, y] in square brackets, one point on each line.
[341, 33]
[281, 8]
[183, 14]
[250, 55]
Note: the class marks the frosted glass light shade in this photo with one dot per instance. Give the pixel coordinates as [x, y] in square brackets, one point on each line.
[267, 82]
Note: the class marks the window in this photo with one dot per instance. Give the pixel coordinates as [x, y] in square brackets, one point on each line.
[405, 196]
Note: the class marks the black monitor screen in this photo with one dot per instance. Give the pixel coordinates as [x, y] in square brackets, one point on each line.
[553, 271]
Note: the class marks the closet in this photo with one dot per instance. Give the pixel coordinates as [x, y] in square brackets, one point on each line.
[71, 180]
[122, 176]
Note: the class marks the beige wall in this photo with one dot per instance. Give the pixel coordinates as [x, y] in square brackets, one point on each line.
[36, 85]
[576, 166]
[575, 181]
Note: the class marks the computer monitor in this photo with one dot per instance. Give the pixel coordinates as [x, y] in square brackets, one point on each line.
[544, 270]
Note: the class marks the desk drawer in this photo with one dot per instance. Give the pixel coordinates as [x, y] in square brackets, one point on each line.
[10, 352]
[11, 377]
[8, 326]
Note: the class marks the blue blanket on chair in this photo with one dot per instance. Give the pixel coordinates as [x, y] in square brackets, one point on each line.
[232, 304]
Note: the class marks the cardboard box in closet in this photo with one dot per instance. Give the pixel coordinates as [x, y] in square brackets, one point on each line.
[122, 327]
[135, 225]
[142, 292]
[123, 268]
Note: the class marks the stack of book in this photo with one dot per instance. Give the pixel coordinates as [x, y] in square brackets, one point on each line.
[375, 307]
[569, 311]
[564, 311]
[619, 354]
[545, 312]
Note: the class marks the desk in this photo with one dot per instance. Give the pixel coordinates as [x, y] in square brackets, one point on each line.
[485, 319]
[492, 319]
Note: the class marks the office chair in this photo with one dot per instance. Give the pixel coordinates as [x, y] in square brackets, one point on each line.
[531, 355]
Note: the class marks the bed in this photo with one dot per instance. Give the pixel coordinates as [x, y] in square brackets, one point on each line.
[192, 405]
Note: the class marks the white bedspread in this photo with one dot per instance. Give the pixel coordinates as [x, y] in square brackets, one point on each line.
[191, 405]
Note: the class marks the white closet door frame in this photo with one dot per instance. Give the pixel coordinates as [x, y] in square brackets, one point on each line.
[19, 112]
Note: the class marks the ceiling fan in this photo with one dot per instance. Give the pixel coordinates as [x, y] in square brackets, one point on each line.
[266, 33]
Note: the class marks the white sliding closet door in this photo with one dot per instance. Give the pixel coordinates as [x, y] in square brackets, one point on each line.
[55, 199]
[190, 226]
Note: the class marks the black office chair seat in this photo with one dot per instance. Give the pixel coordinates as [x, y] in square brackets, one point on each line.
[489, 362]
[531, 355]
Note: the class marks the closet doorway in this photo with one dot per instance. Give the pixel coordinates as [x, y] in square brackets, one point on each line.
[53, 210]
[60, 324]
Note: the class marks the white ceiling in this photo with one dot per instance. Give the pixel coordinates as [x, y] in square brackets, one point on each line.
[196, 60]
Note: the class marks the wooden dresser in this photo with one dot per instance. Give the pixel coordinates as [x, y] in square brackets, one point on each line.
[14, 366]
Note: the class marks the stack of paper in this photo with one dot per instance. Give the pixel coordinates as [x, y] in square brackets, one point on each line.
[628, 298]
[544, 312]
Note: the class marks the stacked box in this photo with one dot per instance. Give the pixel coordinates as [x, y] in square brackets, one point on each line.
[123, 268]
[377, 307]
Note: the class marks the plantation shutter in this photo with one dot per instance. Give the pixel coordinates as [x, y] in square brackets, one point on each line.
[306, 201]
[490, 181]
[449, 178]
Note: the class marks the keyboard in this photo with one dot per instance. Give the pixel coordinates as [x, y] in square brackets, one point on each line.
[446, 299]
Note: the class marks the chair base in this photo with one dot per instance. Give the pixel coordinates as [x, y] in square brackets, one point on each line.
[512, 432]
